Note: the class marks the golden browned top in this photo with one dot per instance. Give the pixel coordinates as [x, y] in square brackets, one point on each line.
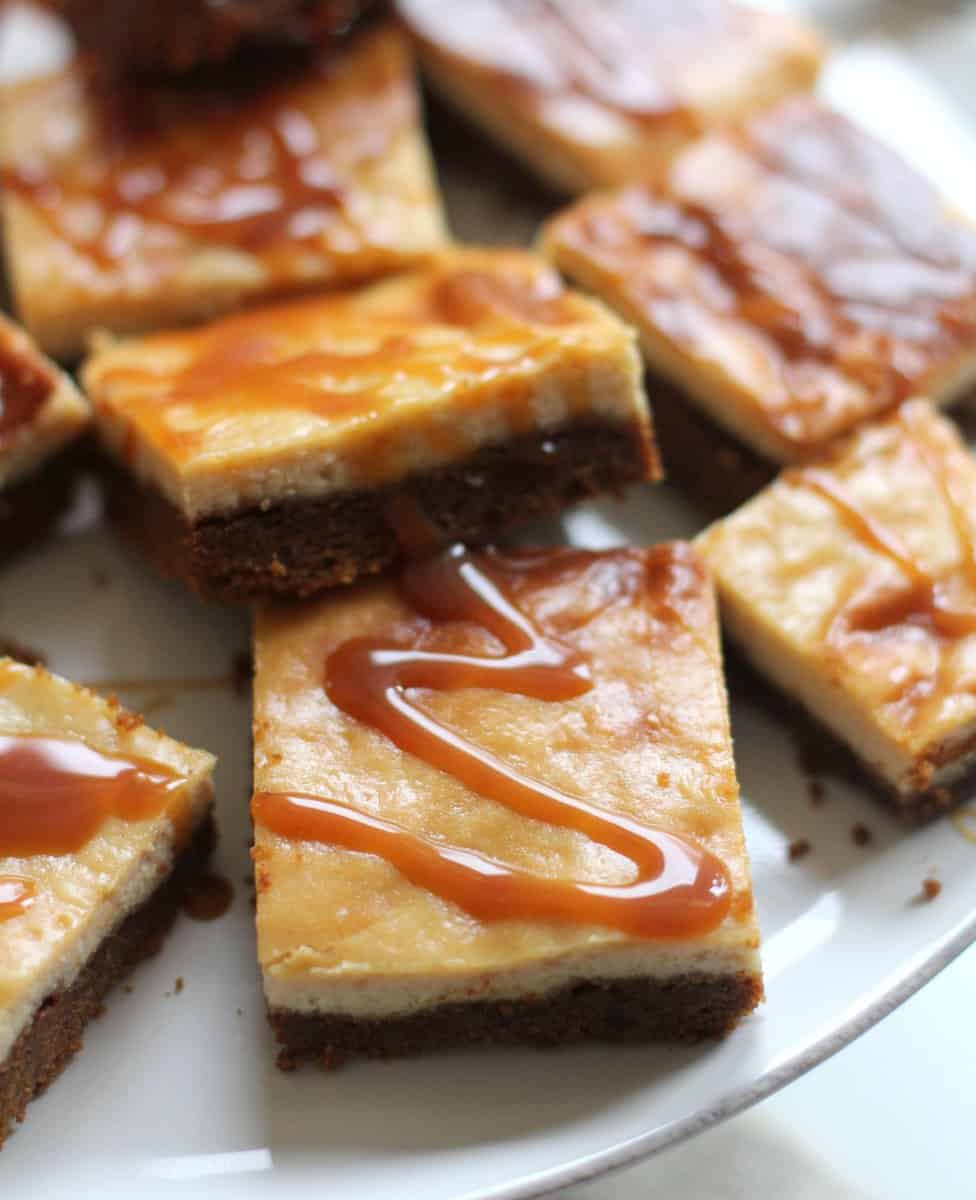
[863, 564]
[294, 174]
[649, 740]
[447, 354]
[608, 84]
[796, 274]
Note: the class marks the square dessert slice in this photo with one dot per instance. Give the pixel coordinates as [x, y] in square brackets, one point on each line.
[104, 826]
[790, 280]
[41, 415]
[293, 448]
[851, 584]
[495, 801]
[598, 94]
[138, 209]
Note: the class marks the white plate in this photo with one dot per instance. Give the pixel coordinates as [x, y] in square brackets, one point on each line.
[177, 1095]
[181, 1088]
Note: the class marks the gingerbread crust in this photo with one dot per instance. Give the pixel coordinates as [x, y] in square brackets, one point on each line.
[684, 1008]
[822, 755]
[303, 546]
[715, 470]
[53, 1038]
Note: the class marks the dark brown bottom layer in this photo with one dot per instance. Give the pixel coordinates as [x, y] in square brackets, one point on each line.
[687, 1008]
[713, 468]
[301, 547]
[30, 509]
[52, 1039]
[822, 755]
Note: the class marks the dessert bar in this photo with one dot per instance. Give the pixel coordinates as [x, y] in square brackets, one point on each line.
[850, 583]
[594, 94]
[104, 826]
[791, 280]
[495, 802]
[293, 448]
[130, 209]
[133, 37]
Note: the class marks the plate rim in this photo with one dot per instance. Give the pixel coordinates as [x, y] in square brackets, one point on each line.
[860, 1018]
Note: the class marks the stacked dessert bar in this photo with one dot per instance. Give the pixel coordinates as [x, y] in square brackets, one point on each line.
[494, 792]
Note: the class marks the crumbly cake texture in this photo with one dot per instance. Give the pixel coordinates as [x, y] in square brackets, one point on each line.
[129, 213]
[650, 740]
[276, 452]
[850, 584]
[538, 78]
[793, 278]
[98, 911]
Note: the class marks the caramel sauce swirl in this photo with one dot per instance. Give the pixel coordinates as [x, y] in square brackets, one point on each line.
[326, 358]
[17, 894]
[56, 793]
[923, 601]
[257, 172]
[680, 889]
[836, 262]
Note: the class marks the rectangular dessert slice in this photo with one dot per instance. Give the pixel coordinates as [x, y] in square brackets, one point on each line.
[790, 280]
[595, 94]
[137, 209]
[41, 415]
[495, 801]
[104, 826]
[293, 448]
[851, 584]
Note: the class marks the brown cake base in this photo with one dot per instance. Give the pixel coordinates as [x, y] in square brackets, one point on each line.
[300, 547]
[686, 1008]
[713, 468]
[52, 1039]
[822, 755]
[30, 509]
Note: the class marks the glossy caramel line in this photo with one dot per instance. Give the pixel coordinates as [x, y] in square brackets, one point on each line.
[56, 793]
[680, 889]
[17, 894]
[925, 595]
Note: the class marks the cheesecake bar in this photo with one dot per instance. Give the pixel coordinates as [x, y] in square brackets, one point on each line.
[131, 37]
[104, 826]
[597, 94]
[790, 280]
[138, 208]
[495, 802]
[42, 415]
[293, 448]
[850, 583]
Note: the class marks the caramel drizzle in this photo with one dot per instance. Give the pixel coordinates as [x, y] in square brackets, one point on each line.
[56, 793]
[923, 602]
[263, 174]
[925, 598]
[680, 890]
